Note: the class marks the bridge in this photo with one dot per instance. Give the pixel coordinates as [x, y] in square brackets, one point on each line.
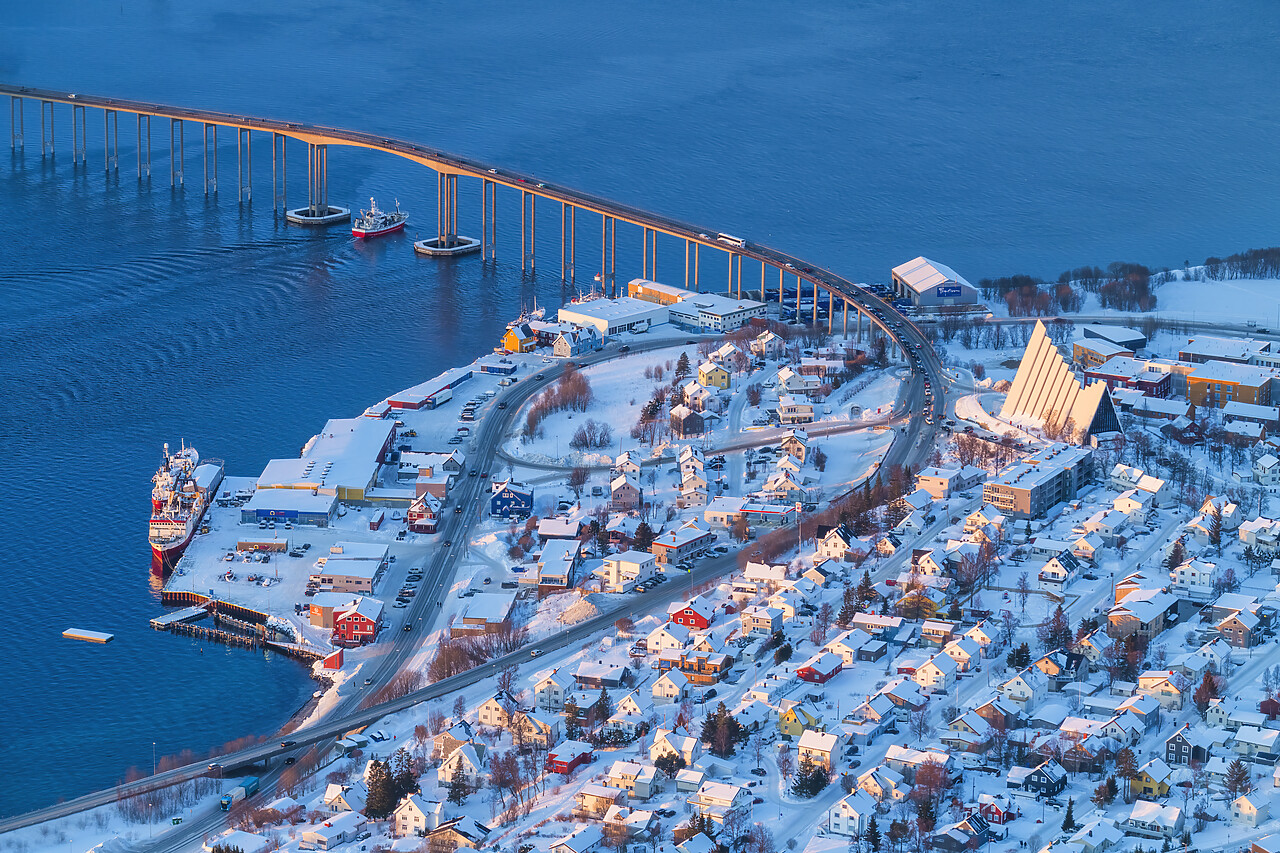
[448, 168]
[878, 315]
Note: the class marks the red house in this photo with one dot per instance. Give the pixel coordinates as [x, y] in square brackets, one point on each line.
[821, 668]
[357, 623]
[996, 808]
[696, 614]
[567, 756]
[423, 514]
[1270, 707]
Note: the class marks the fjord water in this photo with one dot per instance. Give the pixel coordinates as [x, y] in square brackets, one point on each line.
[999, 138]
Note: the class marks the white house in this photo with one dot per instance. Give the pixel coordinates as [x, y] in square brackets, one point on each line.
[937, 674]
[850, 816]
[671, 686]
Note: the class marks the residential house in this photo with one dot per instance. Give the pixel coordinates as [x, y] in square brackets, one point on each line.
[1195, 579]
[821, 748]
[584, 839]
[850, 816]
[820, 668]
[621, 572]
[416, 816]
[593, 800]
[668, 742]
[345, 798]
[1153, 779]
[1188, 745]
[720, 801]
[551, 690]
[569, 755]
[1027, 689]
[1250, 809]
[798, 718]
[671, 686]
[768, 345]
[794, 410]
[1047, 779]
[937, 674]
[1239, 628]
[461, 832]
[697, 613]
[466, 763]
[1152, 820]
[713, 375]
[758, 621]
[624, 493]
[638, 780]
[834, 542]
[497, 710]
[668, 636]
[511, 500]
[884, 784]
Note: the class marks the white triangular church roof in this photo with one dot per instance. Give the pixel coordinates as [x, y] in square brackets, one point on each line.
[1045, 389]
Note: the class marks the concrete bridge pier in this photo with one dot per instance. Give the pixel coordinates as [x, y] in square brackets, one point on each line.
[608, 255]
[568, 241]
[762, 269]
[318, 210]
[528, 231]
[831, 310]
[697, 252]
[46, 134]
[144, 140]
[845, 319]
[79, 136]
[279, 203]
[176, 133]
[447, 241]
[111, 140]
[815, 302]
[244, 165]
[488, 220]
[210, 184]
[15, 123]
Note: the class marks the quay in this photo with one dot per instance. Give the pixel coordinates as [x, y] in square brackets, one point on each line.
[88, 636]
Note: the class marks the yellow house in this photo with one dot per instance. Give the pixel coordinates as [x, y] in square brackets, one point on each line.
[713, 375]
[1152, 780]
[798, 719]
[519, 338]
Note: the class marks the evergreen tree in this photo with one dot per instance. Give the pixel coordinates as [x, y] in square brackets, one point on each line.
[381, 799]
[643, 539]
[1069, 819]
[1019, 658]
[1113, 790]
[848, 610]
[603, 706]
[402, 778]
[1126, 768]
[873, 835]
[1177, 553]
[682, 366]
[953, 612]
[458, 790]
[1237, 781]
[926, 816]
[572, 725]
[1215, 527]
[866, 589]
[810, 779]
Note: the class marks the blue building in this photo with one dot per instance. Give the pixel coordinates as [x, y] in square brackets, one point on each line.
[511, 500]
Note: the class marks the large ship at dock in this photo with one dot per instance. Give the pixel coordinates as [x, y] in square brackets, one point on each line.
[375, 222]
[182, 490]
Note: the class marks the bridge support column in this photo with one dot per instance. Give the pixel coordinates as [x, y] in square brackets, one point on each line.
[210, 185]
[568, 242]
[528, 231]
[144, 140]
[15, 123]
[244, 165]
[697, 251]
[686, 264]
[780, 289]
[79, 136]
[799, 287]
[739, 276]
[46, 141]
[831, 310]
[488, 220]
[729, 290]
[318, 210]
[448, 241]
[845, 328]
[176, 134]
[762, 267]
[815, 302]
[608, 255]
[278, 202]
[111, 140]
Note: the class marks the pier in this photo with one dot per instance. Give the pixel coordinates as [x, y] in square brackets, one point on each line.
[843, 296]
[187, 614]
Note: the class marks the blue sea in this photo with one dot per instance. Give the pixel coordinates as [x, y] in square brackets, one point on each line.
[996, 137]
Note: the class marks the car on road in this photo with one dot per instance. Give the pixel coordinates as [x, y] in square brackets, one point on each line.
[408, 628]
[968, 429]
[533, 653]
[289, 759]
[502, 405]
[288, 743]
[447, 543]
[368, 681]
[457, 510]
[484, 475]
[624, 349]
[473, 473]
[540, 376]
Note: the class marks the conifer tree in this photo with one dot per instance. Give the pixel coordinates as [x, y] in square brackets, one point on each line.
[381, 799]
[873, 835]
[1069, 819]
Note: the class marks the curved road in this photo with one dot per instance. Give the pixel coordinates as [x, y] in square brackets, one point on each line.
[911, 446]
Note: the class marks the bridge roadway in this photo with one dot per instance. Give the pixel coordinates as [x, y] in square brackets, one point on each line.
[449, 164]
[912, 447]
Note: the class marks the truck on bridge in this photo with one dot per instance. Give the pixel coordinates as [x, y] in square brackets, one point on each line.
[247, 788]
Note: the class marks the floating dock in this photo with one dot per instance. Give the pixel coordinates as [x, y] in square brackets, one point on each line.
[88, 636]
[186, 614]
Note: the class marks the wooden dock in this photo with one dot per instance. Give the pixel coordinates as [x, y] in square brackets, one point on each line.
[186, 614]
[88, 636]
[187, 629]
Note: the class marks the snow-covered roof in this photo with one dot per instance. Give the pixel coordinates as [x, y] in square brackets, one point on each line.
[920, 274]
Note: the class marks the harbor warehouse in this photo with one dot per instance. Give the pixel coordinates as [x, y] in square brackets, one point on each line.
[298, 506]
[344, 457]
[710, 312]
[929, 284]
[614, 316]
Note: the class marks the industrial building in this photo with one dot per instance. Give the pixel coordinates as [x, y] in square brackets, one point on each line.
[929, 284]
[652, 291]
[344, 457]
[1028, 489]
[296, 506]
[614, 316]
[1118, 335]
[711, 312]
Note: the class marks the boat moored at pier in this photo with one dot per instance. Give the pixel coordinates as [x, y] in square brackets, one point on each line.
[182, 490]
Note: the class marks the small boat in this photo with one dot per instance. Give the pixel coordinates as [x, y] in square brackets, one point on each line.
[374, 222]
